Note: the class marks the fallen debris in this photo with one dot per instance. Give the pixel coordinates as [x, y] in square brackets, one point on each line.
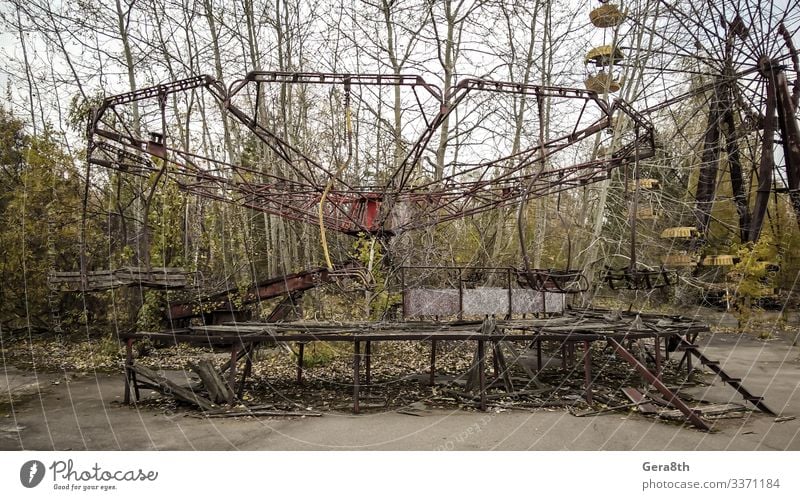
[603, 411]
[638, 398]
[168, 388]
[13, 429]
[705, 410]
[499, 395]
[490, 375]
[417, 409]
[258, 413]
[218, 390]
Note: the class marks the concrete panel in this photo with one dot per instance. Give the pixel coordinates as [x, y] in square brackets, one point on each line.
[479, 301]
[430, 302]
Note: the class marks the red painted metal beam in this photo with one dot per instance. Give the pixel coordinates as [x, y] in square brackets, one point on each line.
[265, 290]
[670, 396]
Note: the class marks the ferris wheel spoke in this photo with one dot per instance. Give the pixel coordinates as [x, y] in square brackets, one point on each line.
[668, 42]
[702, 20]
[686, 22]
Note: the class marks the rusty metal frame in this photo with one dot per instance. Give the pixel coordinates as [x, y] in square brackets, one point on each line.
[639, 279]
[553, 280]
[264, 290]
[240, 336]
[541, 280]
[670, 396]
[344, 209]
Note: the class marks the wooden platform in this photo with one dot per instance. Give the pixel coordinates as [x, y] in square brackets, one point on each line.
[575, 328]
[572, 326]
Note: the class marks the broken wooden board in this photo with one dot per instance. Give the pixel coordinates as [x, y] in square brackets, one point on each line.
[218, 390]
[660, 401]
[500, 395]
[705, 410]
[502, 366]
[472, 373]
[416, 409]
[260, 413]
[637, 397]
[476, 371]
[609, 409]
[168, 388]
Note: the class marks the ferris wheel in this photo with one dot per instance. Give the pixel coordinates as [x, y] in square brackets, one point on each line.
[723, 88]
[719, 81]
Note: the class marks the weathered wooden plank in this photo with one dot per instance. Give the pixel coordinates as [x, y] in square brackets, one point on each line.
[105, 279]
[153, 270]
[637, 397]
[169, 388]
[262, 413]
[706, 410]
[472, 373]
[498, 396]
[503, 366]
[66, 277]
[592, 413]
[218, 391]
